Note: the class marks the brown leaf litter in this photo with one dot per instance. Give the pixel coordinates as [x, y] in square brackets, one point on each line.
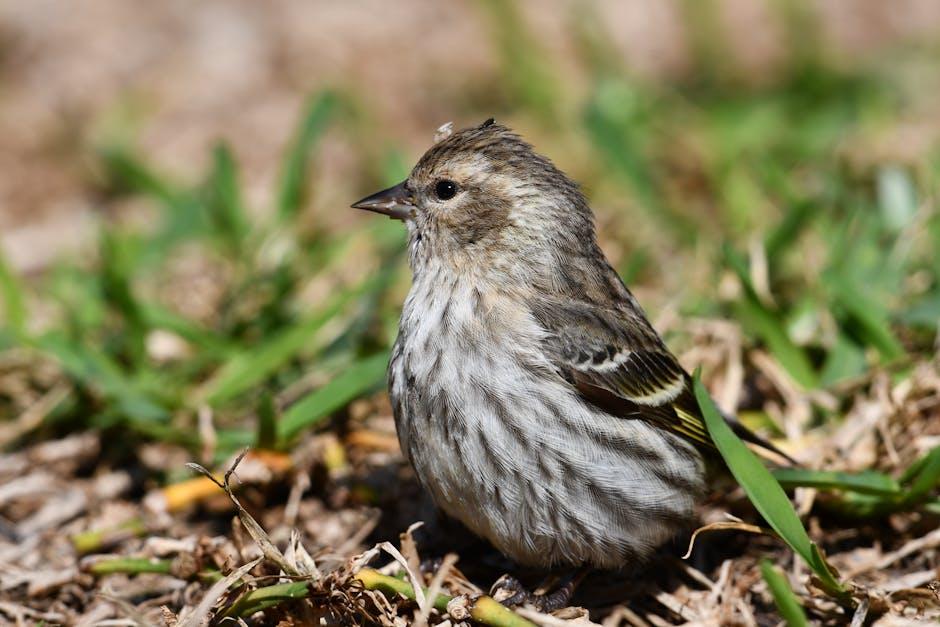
[320, 515]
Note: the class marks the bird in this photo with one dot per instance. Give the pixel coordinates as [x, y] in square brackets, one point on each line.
[531, 394]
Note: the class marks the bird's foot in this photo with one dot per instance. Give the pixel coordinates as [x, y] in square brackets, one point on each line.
[511, 592]
[430, 565]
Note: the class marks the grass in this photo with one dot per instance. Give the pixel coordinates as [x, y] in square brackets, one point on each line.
[826, 255]
[262, 337]
[834, 248]
[765, 493]
[786, 601]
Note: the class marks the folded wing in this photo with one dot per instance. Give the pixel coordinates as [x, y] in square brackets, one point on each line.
[616, 361]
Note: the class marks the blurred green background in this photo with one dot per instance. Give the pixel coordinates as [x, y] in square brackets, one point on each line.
[176, 181]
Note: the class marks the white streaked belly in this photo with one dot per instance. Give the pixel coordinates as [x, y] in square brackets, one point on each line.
[508, 447]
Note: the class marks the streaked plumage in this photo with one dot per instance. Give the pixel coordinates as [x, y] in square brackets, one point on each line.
[531, 394]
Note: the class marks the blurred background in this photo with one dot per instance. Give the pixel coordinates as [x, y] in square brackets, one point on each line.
[768, 160]
[180, 272]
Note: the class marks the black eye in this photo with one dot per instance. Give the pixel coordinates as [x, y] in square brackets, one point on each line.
[445, 190]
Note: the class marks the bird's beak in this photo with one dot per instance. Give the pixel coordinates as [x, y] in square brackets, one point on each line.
[395, 202]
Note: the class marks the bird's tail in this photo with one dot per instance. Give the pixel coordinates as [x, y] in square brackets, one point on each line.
[749, 436]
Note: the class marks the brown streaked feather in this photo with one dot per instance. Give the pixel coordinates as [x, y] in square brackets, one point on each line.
[625, 369]
[616, 394]
[680, 416]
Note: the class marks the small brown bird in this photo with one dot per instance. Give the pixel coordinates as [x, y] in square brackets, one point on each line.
[531, 394]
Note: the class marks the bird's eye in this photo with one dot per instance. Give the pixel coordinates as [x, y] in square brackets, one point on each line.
[445, 190]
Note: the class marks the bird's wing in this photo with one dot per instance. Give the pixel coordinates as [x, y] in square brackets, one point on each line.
[647, 384]
[615, 360]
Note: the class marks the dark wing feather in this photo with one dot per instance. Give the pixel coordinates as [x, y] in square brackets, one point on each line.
[648, 384]
[617, 361]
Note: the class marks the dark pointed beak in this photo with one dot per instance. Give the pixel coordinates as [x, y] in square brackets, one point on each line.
[395, 202]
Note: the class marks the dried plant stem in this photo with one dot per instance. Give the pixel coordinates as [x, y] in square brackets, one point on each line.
[483, 609]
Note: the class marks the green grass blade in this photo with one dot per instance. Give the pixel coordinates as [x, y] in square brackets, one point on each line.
[914, 468]
[262, 598]
[865, 482]
[224, 202]
[617, 122]
[769, 328]
[790, 609]
[97, 371]
[867, 315]
[134, 565]
[926, 479]
[609, 123]
[768, 325]
[232, 440]
[924, 312]
[292, 194]
[14, 298]
[253, 365]
[127, 173]
[916, 490]
[211, 344]
[763, 490]
[266, 437]
[116, 269]
[794, 223]
[184, 213]
[358, 379]
[845, 359]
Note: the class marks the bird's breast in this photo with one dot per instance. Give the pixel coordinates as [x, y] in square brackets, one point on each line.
[459, 343]
[503, 443]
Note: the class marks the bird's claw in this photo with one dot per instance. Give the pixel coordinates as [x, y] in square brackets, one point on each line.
[510, 592]
[430, 565]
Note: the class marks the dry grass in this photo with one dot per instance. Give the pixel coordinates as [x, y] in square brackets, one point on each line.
[85, 542]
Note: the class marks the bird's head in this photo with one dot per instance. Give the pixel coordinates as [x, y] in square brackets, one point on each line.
[481, 197]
